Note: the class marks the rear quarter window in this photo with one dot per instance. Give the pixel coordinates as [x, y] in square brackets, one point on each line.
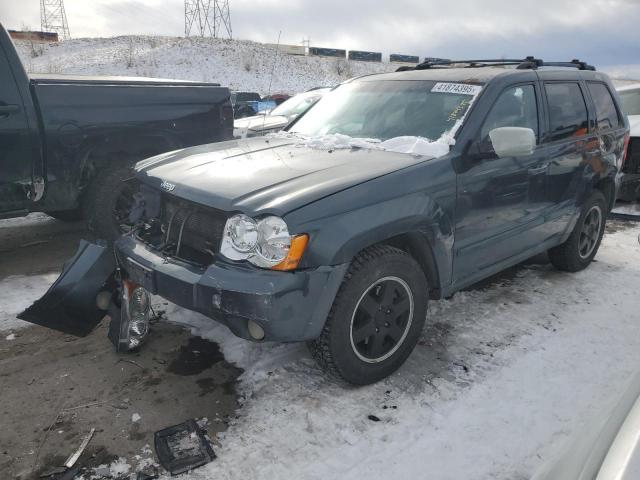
[567, 111]
[606, 111]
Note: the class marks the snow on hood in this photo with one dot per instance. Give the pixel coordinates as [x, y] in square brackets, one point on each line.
[412, 145]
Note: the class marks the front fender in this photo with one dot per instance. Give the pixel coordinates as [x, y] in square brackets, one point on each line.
[337, 238]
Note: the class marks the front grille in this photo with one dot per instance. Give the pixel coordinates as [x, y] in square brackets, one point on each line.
[186, 230]
[632, 164]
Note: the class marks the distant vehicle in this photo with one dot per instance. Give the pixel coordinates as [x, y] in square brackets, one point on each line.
[67, 142]
[630, 101]
[277, 97]
[279, 117]
[241, 103]
[608, 448]
[392, 190]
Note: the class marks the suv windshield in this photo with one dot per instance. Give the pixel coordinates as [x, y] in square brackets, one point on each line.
[630, 100]
[388, 109]
[298, 104]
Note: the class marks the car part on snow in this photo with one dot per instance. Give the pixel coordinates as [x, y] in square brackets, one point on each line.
[183, 447]
[71, 303]
[130, 317]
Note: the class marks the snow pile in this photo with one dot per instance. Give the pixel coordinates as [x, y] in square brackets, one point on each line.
[238, 64]
[499, 380]
[405, 144]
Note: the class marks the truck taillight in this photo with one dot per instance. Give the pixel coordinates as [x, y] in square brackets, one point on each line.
[625, 149]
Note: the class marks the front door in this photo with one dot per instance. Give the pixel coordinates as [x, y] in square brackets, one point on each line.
[499, 199]
[15, 145]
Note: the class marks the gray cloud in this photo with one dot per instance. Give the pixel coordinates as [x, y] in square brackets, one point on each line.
[602, 31]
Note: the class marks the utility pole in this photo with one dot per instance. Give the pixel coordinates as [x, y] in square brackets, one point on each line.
[207, 18]
[54, 19]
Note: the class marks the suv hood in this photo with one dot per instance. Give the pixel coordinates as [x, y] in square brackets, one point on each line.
[265, 175]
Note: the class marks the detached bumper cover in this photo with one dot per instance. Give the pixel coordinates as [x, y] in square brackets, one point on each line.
[289, 306]
[70, 303]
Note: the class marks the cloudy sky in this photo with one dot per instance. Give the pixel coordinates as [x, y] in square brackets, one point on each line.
[604, 32]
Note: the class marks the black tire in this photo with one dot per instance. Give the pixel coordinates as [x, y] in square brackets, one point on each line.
[67, 215]
[346, 359]
[107, 200]
[574, 254]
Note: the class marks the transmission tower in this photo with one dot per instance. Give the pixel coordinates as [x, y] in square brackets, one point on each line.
[207, 18]
[54, 19]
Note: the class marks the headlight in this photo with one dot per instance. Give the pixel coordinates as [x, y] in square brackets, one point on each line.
[243, 232]
[265, 243]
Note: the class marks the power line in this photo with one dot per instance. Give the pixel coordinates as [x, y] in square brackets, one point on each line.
[54, 19]
[207, 18]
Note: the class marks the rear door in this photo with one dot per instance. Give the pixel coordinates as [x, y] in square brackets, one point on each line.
[16, 167]
[499, 199]
[572, 145]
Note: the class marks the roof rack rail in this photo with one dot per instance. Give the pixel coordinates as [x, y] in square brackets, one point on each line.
[521, 64]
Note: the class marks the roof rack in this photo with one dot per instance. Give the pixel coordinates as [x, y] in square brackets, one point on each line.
[520, 64]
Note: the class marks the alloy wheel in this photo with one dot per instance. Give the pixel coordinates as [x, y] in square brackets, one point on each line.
[381, 319]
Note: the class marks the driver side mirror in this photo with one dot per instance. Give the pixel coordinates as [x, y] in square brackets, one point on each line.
[513, 141]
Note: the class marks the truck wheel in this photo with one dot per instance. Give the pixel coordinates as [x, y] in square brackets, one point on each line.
[108, 200]
[376, 317]
[582, 245]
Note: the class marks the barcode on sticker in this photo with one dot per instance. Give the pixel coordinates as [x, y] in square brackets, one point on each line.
[459, 88]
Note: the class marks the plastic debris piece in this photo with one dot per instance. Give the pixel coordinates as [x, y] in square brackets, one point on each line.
[74, 456]
[183, 447]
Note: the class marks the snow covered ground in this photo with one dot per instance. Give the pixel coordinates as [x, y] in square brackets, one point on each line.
[501, 378]
[238, 64]
[499, 381]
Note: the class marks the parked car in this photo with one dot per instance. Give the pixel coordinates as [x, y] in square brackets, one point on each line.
[67, 142]
[277, 97]
[607, 448]
[279, 117]
[630, 101]
[393, 190]
[241, 103]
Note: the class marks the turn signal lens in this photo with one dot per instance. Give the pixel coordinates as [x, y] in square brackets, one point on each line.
[291, 261]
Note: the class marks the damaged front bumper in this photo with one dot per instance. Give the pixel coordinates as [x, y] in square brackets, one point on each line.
[286, 306]
[255, 304]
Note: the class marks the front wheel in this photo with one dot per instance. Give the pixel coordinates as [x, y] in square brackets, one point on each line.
[376, 318]
[582, 245]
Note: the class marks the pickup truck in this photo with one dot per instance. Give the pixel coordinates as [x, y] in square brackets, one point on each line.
[67, 142]
[393, 190]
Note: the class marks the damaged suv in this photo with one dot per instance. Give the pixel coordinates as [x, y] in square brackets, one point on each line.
[392, 190]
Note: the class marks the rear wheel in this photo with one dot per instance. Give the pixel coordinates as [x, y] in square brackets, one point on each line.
[376, 318]
[108, 201]
[582, 245]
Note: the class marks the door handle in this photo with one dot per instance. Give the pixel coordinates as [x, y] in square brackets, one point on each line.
[8, 110]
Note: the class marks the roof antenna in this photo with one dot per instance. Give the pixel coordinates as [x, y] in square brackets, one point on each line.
[273, 69]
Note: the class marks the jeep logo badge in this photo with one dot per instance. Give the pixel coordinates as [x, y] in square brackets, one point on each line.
[167, 186]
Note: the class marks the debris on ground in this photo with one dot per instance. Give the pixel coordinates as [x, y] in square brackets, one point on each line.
[183, 447]
[74, 456]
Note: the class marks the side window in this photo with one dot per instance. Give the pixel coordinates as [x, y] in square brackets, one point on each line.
[605, 107]
[567, 110]
[515, 107]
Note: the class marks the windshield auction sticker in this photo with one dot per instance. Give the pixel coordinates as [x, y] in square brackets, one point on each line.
[459, 88]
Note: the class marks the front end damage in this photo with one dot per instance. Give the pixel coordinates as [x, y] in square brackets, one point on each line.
[89, 288]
